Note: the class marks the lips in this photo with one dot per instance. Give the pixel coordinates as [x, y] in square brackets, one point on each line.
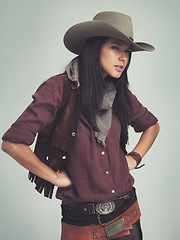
[119, 68]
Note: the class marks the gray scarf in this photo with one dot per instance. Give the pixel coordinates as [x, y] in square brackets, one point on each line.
[103, 117]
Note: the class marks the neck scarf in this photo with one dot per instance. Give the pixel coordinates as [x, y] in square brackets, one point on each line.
[103, 117]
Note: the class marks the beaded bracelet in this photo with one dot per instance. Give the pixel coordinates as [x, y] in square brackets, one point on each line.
[137, 158]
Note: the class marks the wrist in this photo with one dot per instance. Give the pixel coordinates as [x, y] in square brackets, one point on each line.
[137, 157]
[53, 177]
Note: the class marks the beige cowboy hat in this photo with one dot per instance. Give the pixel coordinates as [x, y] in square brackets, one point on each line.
[107, 24]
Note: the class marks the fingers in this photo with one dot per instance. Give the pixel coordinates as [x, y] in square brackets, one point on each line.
[63, 180]
[131, 162]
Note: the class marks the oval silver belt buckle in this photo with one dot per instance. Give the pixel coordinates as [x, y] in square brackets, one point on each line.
[104, 208]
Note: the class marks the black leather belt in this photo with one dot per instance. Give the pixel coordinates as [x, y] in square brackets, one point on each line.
[101, 208]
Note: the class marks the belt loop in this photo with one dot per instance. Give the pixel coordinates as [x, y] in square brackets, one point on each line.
[89, 209]
[93, 209]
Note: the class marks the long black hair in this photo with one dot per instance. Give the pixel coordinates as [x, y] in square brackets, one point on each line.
[92, 86]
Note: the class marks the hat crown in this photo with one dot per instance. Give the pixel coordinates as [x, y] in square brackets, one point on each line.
[120, 21]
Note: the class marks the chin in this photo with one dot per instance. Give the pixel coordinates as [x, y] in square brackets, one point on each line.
[115, 75]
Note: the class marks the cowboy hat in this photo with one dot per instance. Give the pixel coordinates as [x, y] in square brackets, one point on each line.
[107, 24]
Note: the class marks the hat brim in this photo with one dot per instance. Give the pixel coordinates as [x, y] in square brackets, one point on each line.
[76, 36]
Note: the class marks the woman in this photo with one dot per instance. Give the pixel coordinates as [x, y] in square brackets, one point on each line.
[82, 117]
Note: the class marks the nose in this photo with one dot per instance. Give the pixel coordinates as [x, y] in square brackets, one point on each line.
[123, 56]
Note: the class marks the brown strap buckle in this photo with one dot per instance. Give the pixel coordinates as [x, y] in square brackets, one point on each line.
[115, 227]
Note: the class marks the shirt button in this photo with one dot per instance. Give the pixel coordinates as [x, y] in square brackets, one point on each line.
[102, 152]
[113, 191]
[107, 172]
[73, 134]
[64, 157]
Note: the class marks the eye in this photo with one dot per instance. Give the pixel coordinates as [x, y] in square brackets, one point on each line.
[115, 47]
[128, 52]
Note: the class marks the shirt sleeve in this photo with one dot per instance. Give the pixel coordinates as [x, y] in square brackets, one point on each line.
[41, 112]
[141, 118]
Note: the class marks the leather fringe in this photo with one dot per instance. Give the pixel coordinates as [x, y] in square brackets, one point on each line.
[42, 185]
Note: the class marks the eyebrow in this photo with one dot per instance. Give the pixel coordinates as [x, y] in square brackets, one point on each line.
[121, 45]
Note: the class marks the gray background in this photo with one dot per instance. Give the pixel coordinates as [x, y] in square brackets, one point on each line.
[31, 50]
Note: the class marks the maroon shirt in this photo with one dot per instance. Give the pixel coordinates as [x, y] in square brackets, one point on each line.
[98, 173]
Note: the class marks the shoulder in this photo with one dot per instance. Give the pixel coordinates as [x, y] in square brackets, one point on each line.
[133, 98]
[53, 83]
[132, 95]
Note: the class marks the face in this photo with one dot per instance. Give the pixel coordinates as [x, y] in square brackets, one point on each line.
[114, 57]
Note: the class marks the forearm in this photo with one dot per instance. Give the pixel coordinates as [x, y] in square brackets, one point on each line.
[144, 144]
[26, 158]
[146, 140]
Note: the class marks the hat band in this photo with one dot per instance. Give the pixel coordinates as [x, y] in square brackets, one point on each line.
[131, 39]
